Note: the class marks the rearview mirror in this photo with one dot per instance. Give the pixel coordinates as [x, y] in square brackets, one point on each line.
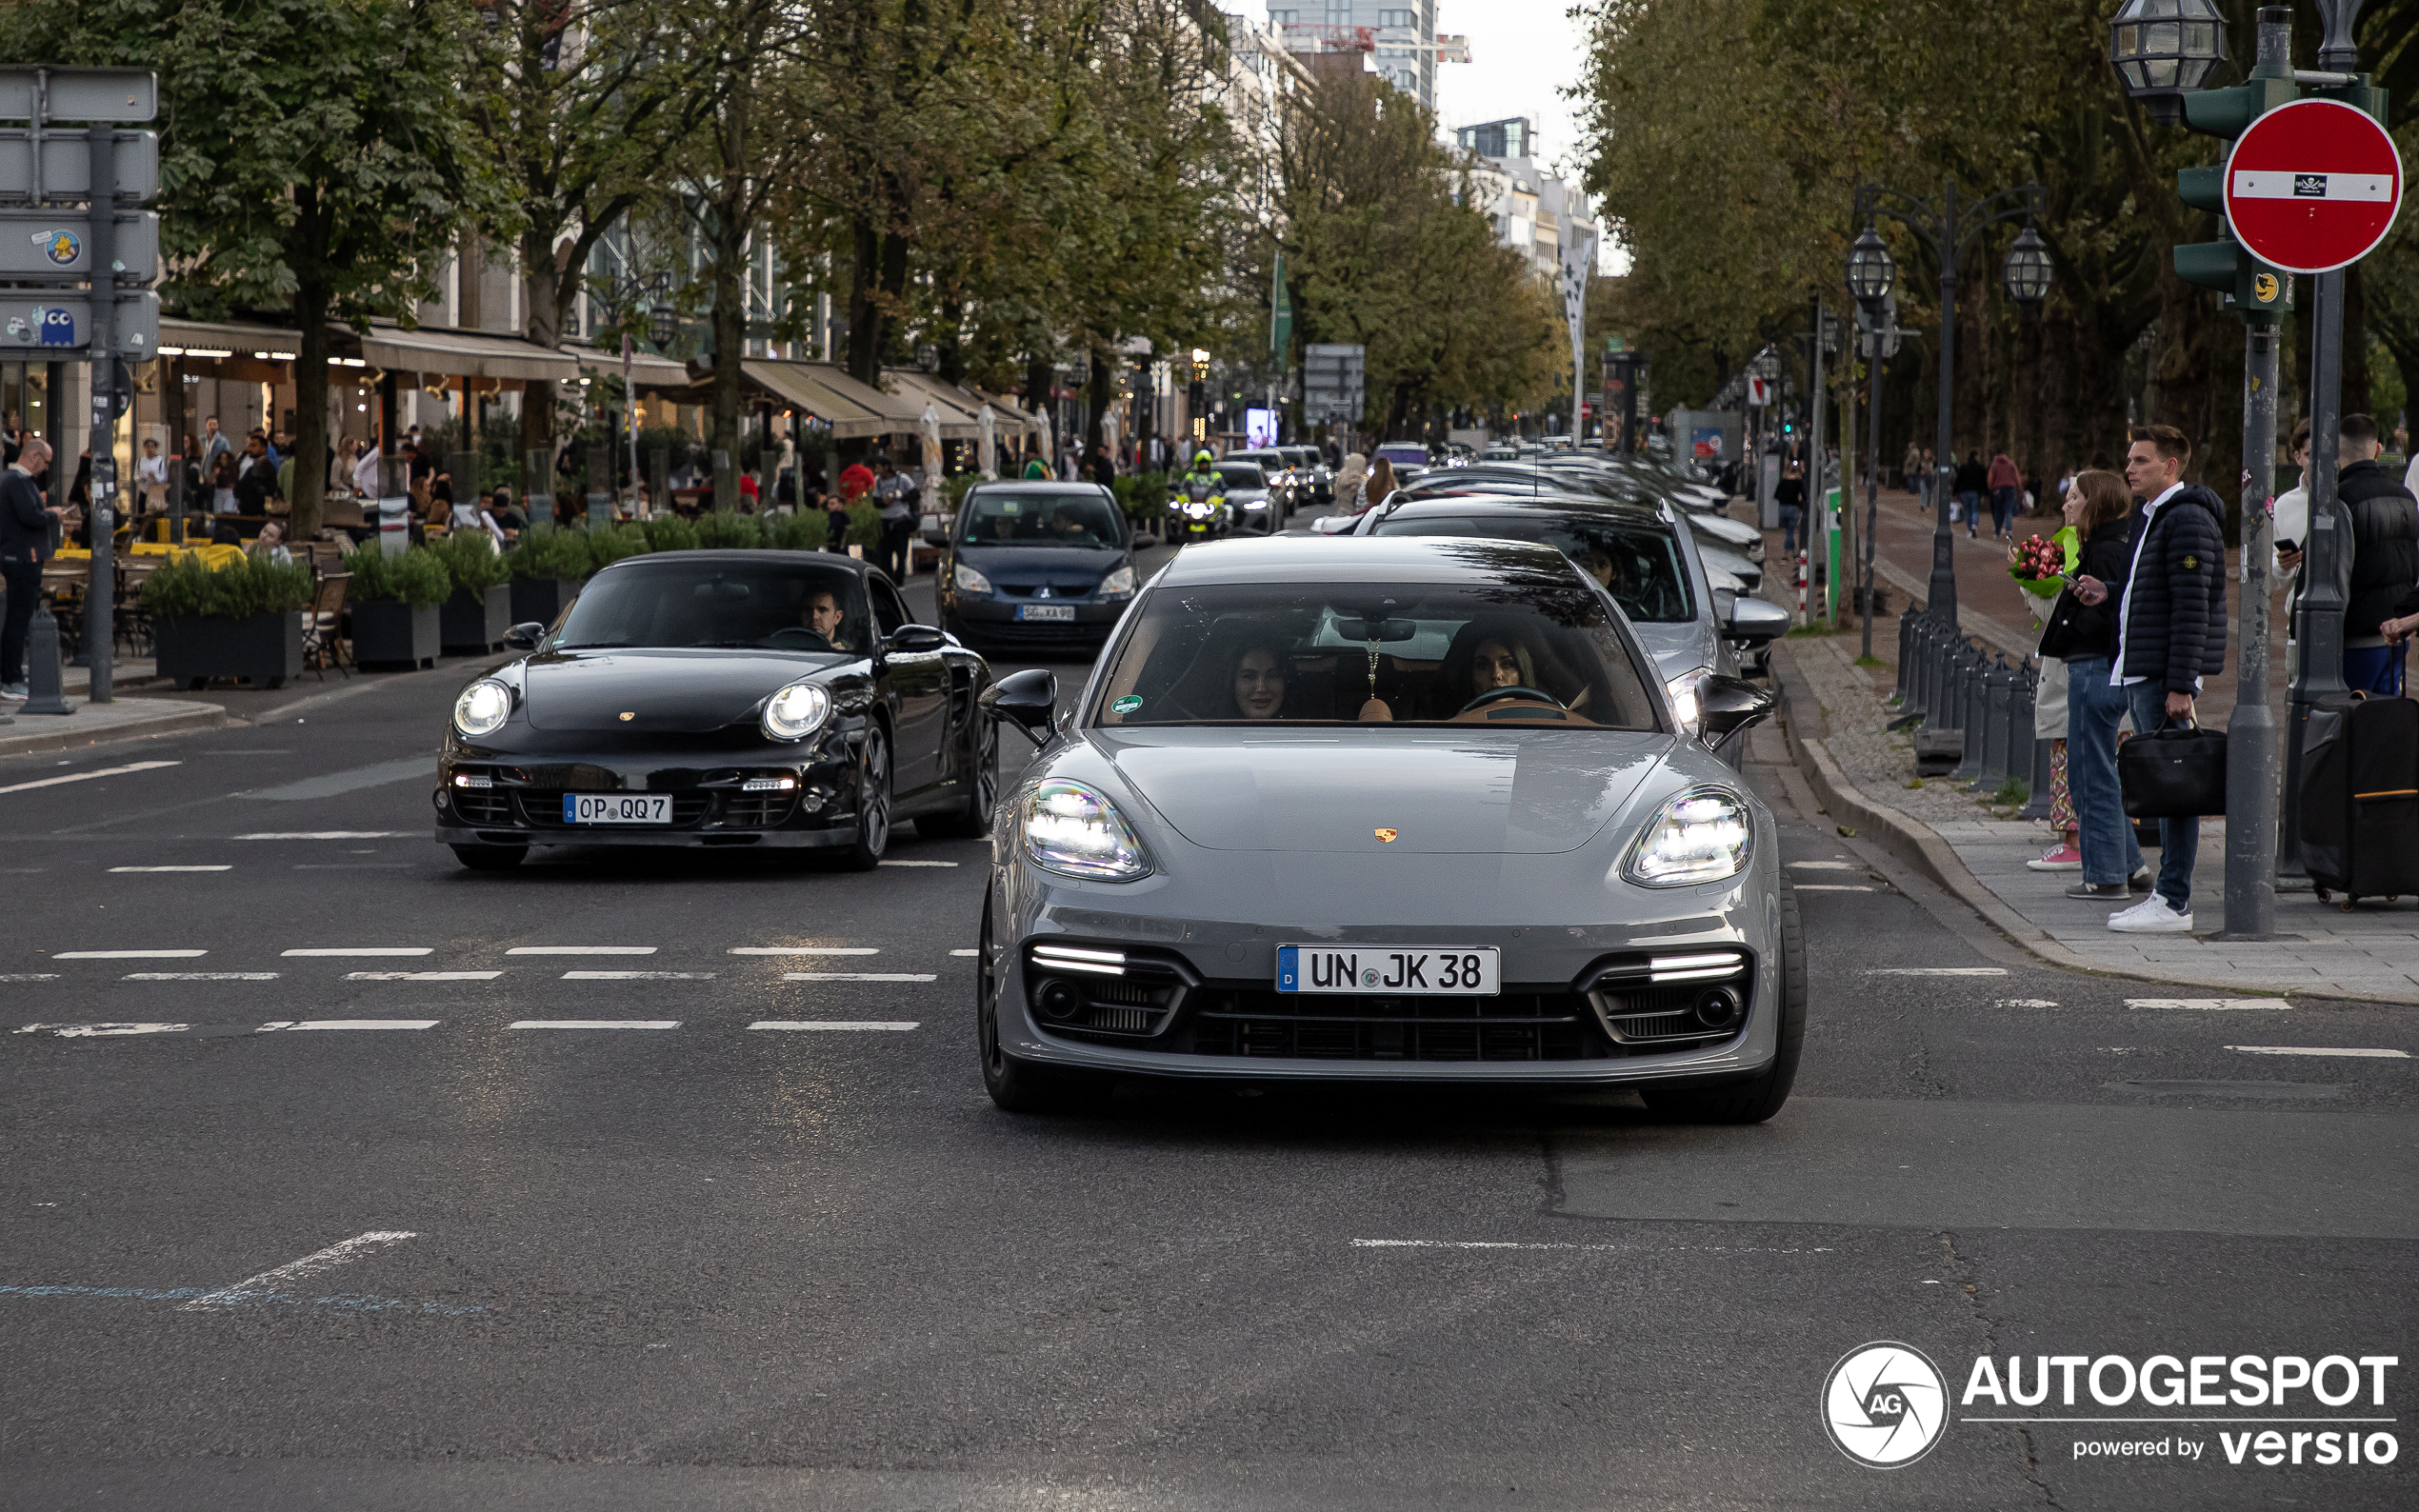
[1361, 629]
[912, 638]
[1728, 704]
[1756, 622]
[524, 637]
[1027, 699]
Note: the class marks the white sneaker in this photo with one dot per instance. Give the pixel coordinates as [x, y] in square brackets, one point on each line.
[2152, 915]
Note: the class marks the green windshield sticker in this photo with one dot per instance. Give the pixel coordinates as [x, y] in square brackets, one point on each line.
[1127, 704]
[1011, 507]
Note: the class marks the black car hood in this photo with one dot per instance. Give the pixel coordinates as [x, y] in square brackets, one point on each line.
[1074, 567]
[682, 691]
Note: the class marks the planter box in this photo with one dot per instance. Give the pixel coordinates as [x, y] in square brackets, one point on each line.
[264, 649]
[390, 634]
[541, 599]
[471, 624]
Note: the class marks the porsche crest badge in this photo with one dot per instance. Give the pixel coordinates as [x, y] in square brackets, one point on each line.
[628, 714]
[1385, 835]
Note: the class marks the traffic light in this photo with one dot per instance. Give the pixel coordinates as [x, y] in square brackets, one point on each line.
[2255, 287]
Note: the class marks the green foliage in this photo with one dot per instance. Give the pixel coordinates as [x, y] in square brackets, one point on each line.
[184, 589]
[865, 525]
[804, 532]
[544, 551]
[471, 562]
[670, 532]
[722, 529]
[1143, 496]
[954, 491]
[419, 577]
[611, 544]
[682, 445]
[2013, 793]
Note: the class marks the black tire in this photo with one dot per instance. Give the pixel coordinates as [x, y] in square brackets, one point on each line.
[1759, 1098]
[491, 858]
[873, 802]
[971, 820]
[1020, 1087]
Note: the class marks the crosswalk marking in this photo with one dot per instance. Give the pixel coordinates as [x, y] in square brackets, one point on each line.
[348, 1024]
[1937, 971]
[29, 976]
[96, 1031]
[858, 976]
[1834, 886]
[85, 777]
[596, 1023]
[173, 868]
[2322, 1049]
[422, 976]
[965, 952]
[326, 834]
[638, 976]
[201, 976]
[580, 950]
[1826, 866]
[806, 950]
[363, 950]
[128, 955]
[833, 1024]
[2209, 1004]
[919, 862]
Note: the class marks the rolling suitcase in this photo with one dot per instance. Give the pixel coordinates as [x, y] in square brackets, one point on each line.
[2360, 797]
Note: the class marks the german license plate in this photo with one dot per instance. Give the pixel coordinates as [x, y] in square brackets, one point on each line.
[1392, 970]
[1063, 613]
[617, 808]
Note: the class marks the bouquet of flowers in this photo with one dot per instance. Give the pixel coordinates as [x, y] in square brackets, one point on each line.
[2035, 563]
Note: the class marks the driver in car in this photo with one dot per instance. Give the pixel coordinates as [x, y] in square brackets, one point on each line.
[1069, 525]
[822, 616]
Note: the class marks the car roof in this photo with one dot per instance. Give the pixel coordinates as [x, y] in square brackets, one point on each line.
[1358, 559]
[1575, 505]
[1036, 485]
[644, 559]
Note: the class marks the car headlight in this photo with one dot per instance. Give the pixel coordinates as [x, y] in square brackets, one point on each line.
[1199, 511]
[1702, 835]
[1075, 831]
[1683, 690]
[1120, 583]
[482, 707]
[969, 581]
[796, 712]
[1255, 504]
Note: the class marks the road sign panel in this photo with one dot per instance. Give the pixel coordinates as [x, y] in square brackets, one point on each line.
[58, 327]
[50, 244]
[67, 166]
[79, 94]
[2313, 185]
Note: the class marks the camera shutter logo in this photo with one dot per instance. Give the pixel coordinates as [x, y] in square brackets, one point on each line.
[1885, 1405]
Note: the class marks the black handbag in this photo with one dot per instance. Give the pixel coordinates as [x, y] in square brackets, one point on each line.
[2173, 773]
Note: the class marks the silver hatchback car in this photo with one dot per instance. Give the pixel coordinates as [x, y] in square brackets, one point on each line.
[1391, 809]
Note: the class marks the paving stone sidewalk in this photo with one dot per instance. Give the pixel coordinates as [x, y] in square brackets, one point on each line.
[1979, 852]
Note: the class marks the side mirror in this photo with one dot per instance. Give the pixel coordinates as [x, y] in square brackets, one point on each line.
[913, 638]
[1029, 699]
[1725, 705]
[1756, 622]
[524, 637]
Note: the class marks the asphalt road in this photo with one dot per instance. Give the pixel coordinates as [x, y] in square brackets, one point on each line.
[474, 1265]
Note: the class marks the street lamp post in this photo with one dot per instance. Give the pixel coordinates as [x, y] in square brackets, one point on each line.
[1870, 273]
[1948, 226]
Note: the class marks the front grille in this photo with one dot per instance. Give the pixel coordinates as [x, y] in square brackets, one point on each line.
[1671, 1001]
[483, 806]
[1519, 1024]
[755, 810]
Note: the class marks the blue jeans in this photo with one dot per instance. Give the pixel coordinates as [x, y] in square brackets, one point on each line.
[2373, 669]
[1972, 503]
[1791, 516]
[2002, 508]
[2179, 839]
[2093, 711]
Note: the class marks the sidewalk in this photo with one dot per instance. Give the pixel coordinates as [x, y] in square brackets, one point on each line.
[1834, 712]
[126, 717]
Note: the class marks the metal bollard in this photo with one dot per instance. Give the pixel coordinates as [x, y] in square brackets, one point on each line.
[1998, 751]
[1911, 650]
[41, 665]
[1971, 706]
[1935, 691]
[1905, 639]
[2022, 739]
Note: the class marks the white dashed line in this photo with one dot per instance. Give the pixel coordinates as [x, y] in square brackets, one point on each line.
[1937, 971]
[422, 976]
[269, 1281]
[596, 1023]
[638, 976]
[348, 1024]
[326, 834]
[172, 868]
[29, 976]
[96, 1031]
[2321, 1049]
[919, 863]
[580, 950]
[364, 950]
[201, 976]
[1504, 1244]
[1833, 886]
[2209, 1004]
[2028, 1003]
[128, 955]
[832, 1023]
[806, 950]
[85, 777]
[965, 952]
[857, 976]
[1826, 866]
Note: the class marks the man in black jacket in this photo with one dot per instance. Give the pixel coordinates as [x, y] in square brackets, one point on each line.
[25, 534]
[2170, 632]
[2384, 563]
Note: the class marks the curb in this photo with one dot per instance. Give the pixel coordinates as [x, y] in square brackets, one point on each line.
[66, 735]
[1914, 842]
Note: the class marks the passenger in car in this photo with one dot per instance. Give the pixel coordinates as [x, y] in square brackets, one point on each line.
[1258, 680]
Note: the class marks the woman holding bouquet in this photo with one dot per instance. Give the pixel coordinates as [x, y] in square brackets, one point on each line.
[2037, 563]
[2083, 636]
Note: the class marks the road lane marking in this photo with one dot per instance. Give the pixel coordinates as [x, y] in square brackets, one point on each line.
[335, 784]
[1937, 971]
[594, 1024]
[363, 950]
[96, 1031]
[422, 976]
[172, 868]
[1826, 866]
[1833, 886]
[351, 1303]
[965, 952]
[806, 950]
[85, 777]
[2321, 1049]
[29, 976]
[857, 976]
[919, 862]
[2209, 1004]
[128, 955]
[2028, 1003]
[269, 1280]
[325, 834]
[348, 1023]
[201, 976]
[580, 950]
[1506, 1244]
[638, 976]
[833, 1024]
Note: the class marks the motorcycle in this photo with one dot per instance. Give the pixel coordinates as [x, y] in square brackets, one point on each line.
[1197, 511]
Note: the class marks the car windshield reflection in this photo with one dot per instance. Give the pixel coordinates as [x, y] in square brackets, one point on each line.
[768, 606]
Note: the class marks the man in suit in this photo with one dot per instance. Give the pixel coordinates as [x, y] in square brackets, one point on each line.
[25, 534]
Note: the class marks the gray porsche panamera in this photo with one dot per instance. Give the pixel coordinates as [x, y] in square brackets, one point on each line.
[1400, 809]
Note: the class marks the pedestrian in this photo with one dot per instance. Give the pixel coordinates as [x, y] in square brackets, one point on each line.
[896, 495]
[364, 473]
[1104, 469]
[150, 475]
[1791, 496]
[2384, 560]
[2170, 632]
[1350, 481]
[1380, 485]
[2081, 713]
[2006, 484]
[1910, 467]
[213, 442]
[835, 524]
[25, 534]
[1931, 479]
[1971, 480]
[2289, 520]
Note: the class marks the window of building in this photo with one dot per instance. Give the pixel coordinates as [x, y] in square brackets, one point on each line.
[1285, 18]
[1398, 18]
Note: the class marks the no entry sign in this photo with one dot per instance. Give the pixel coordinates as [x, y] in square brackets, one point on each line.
[2313, 187]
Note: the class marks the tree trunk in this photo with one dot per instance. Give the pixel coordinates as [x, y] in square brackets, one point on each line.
[865, 319]
[542, 285]
[1102, 389]
[731, 338]
[312, 297]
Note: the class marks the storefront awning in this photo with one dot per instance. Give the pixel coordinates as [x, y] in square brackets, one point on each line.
[649, 374]
[216, 339]
[850, 407]
[464, 354]
[957, 408]
[1008, 421]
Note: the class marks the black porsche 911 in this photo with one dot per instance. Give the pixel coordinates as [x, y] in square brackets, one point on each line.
[721, 698]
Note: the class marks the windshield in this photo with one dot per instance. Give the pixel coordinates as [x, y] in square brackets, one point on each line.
[1300, 456]
[777, 605]
[1533, 649]
[1241, 475]
[1401, 455]
[1638, 564]
[1080, 519]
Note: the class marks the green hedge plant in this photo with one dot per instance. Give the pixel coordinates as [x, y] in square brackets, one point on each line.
[471, 562]
[805, 531]
[720, 530]
[670, 532]
[185, 589]
[614, 542]
[547, 552]
[417, 577]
